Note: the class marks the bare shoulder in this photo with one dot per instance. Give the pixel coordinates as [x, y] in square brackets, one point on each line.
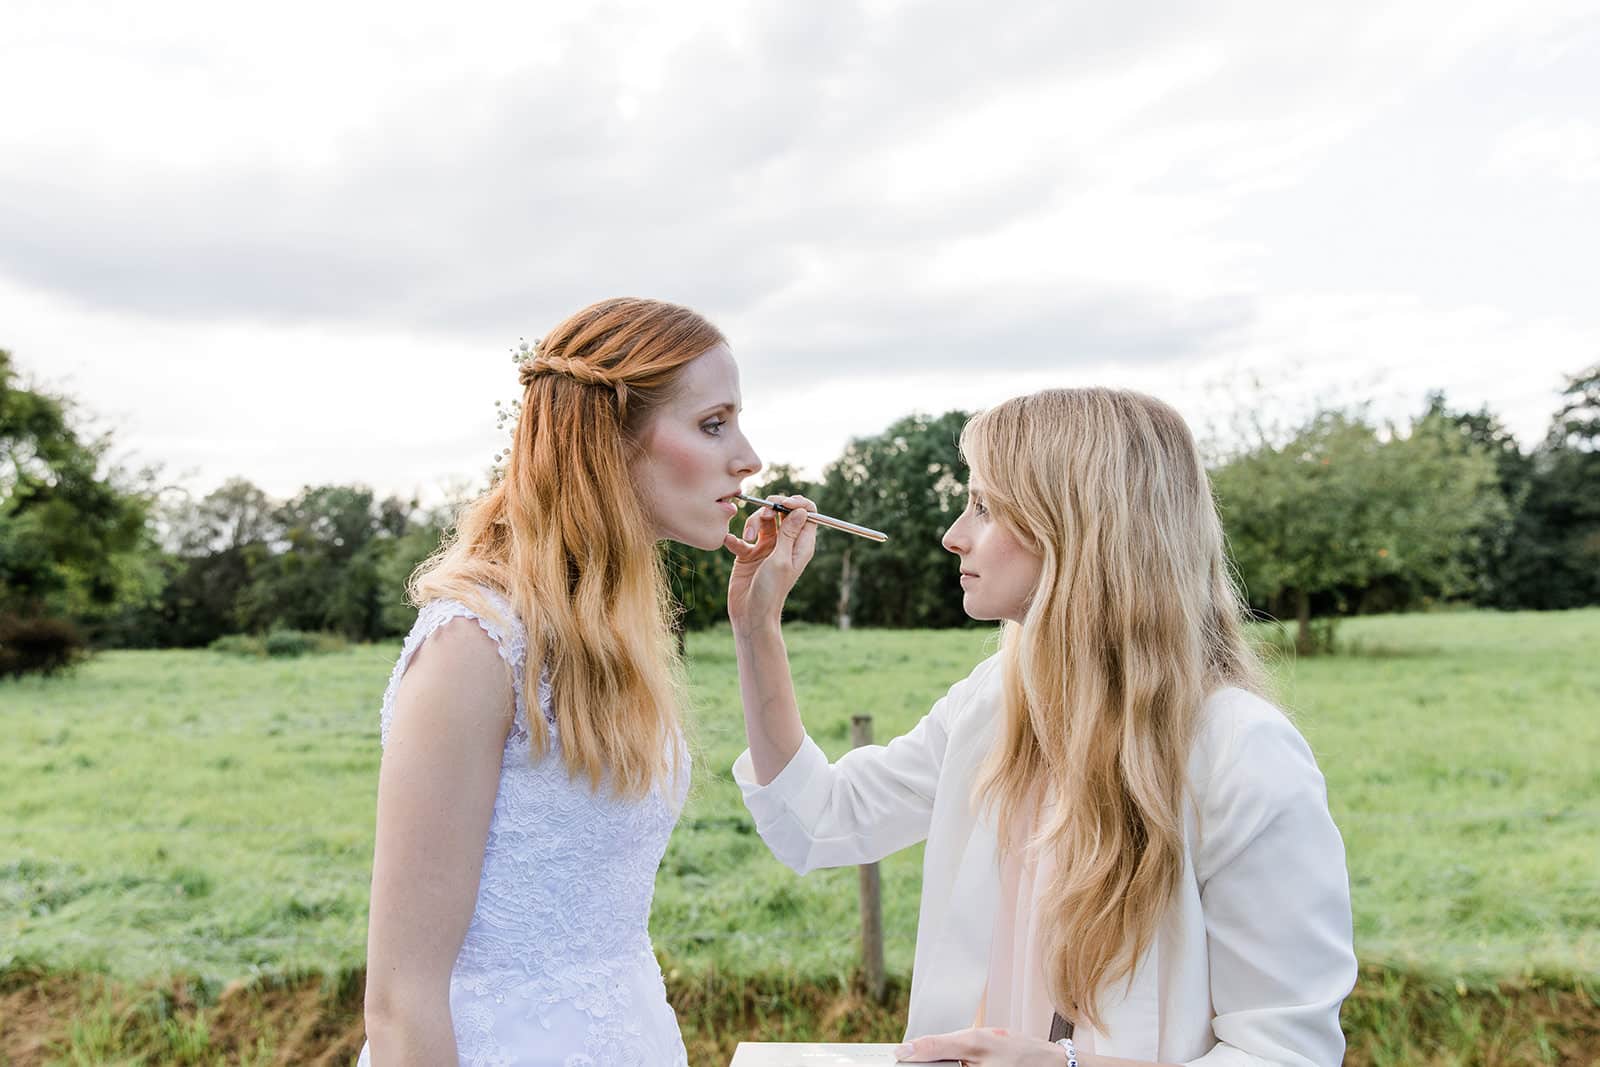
[456, 680]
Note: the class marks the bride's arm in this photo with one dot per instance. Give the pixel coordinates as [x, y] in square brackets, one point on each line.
[436, 789]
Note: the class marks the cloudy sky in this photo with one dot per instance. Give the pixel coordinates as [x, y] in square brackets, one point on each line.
[296, 242]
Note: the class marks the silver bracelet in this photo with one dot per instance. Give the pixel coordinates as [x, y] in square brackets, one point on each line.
[1072, 1053]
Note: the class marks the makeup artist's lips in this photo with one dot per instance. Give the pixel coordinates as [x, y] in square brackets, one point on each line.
[965, 575]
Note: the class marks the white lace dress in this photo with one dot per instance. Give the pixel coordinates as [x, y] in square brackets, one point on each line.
[557, 969]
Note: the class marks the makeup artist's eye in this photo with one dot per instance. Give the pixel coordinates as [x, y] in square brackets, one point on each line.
[713, 426]
[978, 508]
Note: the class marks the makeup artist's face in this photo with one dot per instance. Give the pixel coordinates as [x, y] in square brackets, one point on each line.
[998, 572]
[693, 454]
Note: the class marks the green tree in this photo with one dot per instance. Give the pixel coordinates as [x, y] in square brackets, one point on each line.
[332, 566]
[1341, 506]
[1551, 558]
[812, 597]
[1489, 545]
[401, 555]
[73, 539]
[910, 482]
[217, 547]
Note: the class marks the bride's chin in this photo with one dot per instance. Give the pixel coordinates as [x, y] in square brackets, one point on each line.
[708, 543]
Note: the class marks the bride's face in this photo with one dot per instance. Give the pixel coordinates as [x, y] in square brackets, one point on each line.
[693, 455]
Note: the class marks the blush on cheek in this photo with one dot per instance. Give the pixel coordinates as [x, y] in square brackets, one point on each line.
[676, 458]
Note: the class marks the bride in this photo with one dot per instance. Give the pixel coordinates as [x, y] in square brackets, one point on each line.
[533, 758]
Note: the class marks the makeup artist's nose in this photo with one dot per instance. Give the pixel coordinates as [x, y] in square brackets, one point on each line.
[954, 540]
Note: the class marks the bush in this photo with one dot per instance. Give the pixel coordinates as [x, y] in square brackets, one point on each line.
[38, 646]
[280, 642]
[239, 645]
[288, 643]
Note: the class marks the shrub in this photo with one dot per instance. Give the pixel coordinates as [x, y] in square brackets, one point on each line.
[239, 645]
[280, 642]
[300, 642]
[38, 646]
[288, 643]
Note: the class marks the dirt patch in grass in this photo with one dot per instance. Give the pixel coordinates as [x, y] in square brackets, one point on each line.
[1396, 1017]
[1392, 1018]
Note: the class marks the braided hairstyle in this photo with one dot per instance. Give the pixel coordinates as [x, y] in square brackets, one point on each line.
[564, 537]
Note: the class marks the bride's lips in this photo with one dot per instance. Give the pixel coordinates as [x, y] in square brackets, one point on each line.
[965, 575]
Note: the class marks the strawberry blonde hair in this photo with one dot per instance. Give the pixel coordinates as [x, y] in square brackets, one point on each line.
[565, 538]
[1135, 621]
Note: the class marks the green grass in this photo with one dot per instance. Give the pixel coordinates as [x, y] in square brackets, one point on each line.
[203, 814]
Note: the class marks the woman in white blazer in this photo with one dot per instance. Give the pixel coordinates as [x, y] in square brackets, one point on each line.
[1126, 842]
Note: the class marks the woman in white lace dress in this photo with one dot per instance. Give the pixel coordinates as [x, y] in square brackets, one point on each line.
[533, 759]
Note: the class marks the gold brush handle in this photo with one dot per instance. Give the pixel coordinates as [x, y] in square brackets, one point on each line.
[823, 520]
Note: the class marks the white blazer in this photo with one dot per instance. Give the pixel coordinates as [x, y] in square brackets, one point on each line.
[1251, 962]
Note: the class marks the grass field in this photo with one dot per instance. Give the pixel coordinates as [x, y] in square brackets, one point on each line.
[191, 813]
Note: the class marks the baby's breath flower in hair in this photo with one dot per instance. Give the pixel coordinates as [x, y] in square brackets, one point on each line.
[511, 412]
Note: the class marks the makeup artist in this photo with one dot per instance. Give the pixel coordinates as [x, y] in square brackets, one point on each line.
[1129, 852]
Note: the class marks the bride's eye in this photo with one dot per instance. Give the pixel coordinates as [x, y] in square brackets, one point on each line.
[713, 426]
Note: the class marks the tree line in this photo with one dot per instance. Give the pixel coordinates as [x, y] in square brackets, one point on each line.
[1338, 514]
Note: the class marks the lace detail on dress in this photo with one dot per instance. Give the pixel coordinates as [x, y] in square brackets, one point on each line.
[509, 639]
[556, 966]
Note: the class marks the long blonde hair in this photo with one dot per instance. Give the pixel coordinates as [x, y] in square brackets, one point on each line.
[564, 538]
[1135, 621]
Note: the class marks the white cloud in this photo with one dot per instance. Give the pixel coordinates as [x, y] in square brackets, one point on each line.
[293, 243]
[1566, 149]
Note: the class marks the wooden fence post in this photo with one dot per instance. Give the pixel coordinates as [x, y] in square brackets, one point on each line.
[871, 899]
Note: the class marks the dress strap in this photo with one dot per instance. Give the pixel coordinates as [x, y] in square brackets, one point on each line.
[505, 631]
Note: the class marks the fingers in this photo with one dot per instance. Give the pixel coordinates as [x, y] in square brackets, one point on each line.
[966, 1044]
[766, 527]
[758, 539]
[793, 524]
[795, 501]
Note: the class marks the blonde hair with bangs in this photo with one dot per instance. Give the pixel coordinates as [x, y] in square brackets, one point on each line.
[1135, 621]
[564, 538]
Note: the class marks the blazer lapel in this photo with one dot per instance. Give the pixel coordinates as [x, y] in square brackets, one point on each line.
[1132, 1012]
[960, 970]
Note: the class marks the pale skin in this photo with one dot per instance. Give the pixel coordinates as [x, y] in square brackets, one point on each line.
[453, 712]
[998, 574]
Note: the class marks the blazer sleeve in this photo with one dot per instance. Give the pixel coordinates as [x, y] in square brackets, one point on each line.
[1275, 894]
[875, 800]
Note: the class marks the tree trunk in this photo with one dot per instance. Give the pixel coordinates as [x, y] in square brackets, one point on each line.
[1302, 613]
[846, 576]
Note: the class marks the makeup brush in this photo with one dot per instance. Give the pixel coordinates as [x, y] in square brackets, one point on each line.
[820, 520]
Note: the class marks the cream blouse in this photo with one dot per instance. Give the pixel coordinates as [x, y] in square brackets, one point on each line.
[1014, 998]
